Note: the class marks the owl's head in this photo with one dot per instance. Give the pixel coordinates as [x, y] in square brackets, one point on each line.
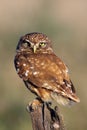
[34, 43]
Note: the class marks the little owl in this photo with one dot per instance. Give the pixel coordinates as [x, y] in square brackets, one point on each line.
[43, 73]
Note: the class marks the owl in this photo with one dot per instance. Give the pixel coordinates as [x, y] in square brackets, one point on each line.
[43, 73]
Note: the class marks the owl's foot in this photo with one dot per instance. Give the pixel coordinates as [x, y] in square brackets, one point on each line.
[34, 104]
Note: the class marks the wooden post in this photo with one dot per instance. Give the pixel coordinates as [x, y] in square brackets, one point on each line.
[44, 117]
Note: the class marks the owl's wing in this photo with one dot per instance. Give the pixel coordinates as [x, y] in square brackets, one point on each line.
[48, 72]
[51, 73]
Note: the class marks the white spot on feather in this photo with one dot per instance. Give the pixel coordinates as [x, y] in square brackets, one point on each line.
[24, 64]
[26, 73]
[31, 67]
[42, 63]
[46, 85]
[34, 73]
[18, 70]
[55, 125]
[60, 63]
[67, 70]
[17, 63]
[69, 85]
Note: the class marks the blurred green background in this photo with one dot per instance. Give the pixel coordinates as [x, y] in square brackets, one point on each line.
[65, 23]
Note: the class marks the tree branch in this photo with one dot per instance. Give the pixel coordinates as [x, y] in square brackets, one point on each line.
[44, 117]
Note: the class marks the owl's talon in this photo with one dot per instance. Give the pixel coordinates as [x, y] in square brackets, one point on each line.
[34, 105]
[49, 103]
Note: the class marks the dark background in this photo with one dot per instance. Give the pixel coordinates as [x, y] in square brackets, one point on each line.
[65, 23]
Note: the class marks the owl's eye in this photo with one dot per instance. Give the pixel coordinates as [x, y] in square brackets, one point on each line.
[26, 44]
[42, 44]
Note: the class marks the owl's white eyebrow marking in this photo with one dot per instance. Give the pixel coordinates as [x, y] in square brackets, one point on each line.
[26, 73]
[27, 40]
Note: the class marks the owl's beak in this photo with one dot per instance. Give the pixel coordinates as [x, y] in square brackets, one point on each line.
[34, 48]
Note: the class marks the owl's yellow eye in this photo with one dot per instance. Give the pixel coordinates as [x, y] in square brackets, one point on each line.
[25, 45]
[42, 44]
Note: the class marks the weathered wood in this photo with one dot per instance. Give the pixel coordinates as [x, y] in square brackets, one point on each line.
[44, 117]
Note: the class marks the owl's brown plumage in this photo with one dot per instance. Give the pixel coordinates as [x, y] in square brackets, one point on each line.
[42, 71]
